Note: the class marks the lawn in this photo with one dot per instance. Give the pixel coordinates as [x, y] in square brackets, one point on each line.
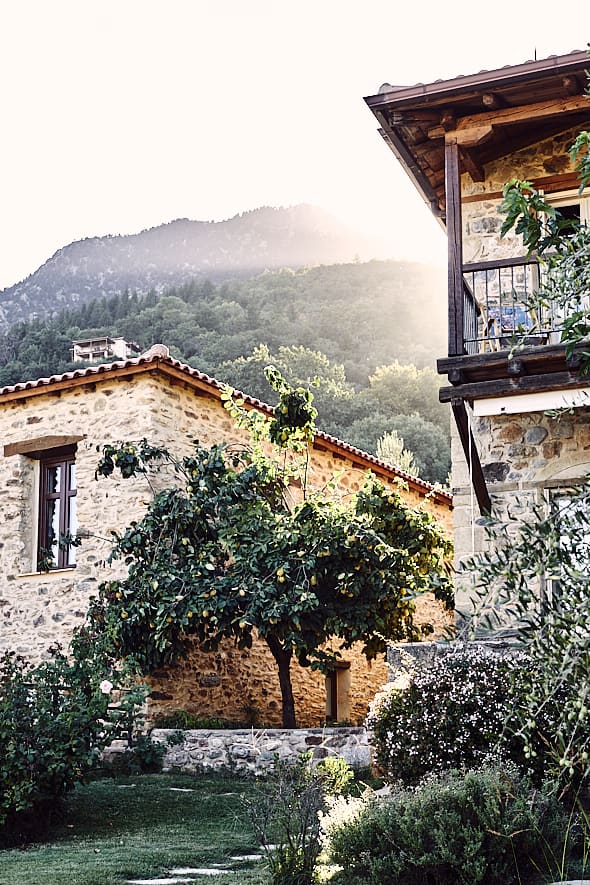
[143, 827]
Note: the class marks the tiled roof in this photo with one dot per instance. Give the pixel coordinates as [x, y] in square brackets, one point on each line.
[159, 356]
[416, 121]
[497, 76]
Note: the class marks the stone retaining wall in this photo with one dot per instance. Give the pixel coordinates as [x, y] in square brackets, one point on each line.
[252, 751]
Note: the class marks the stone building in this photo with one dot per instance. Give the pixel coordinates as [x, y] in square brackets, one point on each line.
[50, 432]
[92, 350]
[460, 141]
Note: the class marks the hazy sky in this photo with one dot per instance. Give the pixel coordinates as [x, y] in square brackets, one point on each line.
[118, 115]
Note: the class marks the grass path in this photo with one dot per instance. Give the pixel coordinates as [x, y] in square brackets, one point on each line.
[139, 828]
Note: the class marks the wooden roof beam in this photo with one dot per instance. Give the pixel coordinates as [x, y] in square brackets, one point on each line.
[471, 138]
[411, 117]
[448, 120]
[571, 85]
[510, 116]
[525, 113]
[492, 101]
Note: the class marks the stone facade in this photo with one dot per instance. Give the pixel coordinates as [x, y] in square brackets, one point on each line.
[526, 458]
[169, 404]
[481, 220]
[526, 455]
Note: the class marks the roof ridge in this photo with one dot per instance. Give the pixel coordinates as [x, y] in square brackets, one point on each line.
[160, 353]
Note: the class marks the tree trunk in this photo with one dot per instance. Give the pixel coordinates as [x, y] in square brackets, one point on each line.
[283, 659]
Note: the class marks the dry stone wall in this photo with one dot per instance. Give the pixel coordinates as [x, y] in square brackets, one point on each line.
[253, 751]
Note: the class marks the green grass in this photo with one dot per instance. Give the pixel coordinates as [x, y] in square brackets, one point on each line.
[138, 827]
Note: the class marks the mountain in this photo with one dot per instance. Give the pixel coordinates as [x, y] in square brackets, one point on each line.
[173, 253]
[368, 332]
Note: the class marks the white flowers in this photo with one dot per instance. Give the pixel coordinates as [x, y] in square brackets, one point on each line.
[105, 686]
[446, 711]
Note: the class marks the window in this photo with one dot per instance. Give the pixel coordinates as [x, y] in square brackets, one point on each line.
[569, 505]
[571, 205]
[57, 508]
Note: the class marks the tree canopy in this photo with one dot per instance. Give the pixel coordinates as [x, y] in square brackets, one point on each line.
[239, 546]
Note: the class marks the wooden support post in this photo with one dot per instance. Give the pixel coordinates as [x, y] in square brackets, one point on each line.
[471, 454]
[455, 247]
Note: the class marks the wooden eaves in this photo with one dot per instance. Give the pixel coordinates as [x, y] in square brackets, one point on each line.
[440, 130]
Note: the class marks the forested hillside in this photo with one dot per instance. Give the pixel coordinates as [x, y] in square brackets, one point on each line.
[175, 253]
[369, 332]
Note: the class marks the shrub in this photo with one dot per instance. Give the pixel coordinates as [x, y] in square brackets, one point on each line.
[485, 827]
[184, 719]
[285, 815]
[144, 755]
[553, 716]
[444, 713]
[187, 720]
[335, 775]
[54, 722]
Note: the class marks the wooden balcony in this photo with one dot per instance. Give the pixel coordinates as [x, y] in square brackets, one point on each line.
[510, 338]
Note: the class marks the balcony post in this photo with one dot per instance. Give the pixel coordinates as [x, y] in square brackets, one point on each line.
[455, 246]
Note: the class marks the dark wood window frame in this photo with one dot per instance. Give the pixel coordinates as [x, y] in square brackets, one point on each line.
[56, 494]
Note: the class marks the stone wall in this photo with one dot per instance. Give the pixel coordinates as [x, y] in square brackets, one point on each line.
[253, 751]
[37, 610]
[525, 457]
[481, 220]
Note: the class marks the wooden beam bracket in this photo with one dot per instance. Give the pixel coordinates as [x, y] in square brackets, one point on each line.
[472, 457]
[37, 445]
[472, 166]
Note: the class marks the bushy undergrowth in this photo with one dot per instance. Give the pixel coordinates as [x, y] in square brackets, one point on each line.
[145, 756]
[54, 722]
[444, 713]
[475, 828]
[186, 720]
[285, 814]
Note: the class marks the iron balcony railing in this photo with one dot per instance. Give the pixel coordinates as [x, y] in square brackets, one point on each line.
[501, 307]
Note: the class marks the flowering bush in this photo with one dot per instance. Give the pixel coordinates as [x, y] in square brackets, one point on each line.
[444, 713]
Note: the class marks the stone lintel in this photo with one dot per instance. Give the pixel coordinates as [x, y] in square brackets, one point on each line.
[33, 447]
